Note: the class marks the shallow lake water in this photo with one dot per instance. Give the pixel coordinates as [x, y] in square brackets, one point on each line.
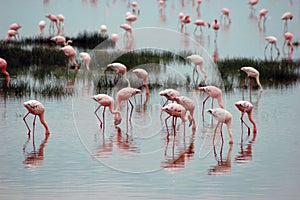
[137, 160]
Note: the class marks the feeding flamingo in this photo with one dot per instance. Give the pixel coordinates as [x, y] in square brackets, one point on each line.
[124, 95]
[71, 54]
[61, 40]
[105, 101]
[3, 65]
[273, 41]
[223, 116]
[42, 25]
[252, 3]
[189, 105]
[37, 109]
[119, 68]
[53, 20]
[85, 59]
[130, 18]
[197, 61]
[213, 92]
[225, 12]
[143, 75]
[199, 23]
[10, 34]
[246, 107]
[288, 38]
[174, 110]
[251, 73]
[286, 16]
[170, 95]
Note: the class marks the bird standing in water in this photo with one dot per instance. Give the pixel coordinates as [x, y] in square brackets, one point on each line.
[251, 73]
[119, 68]
[246, 107]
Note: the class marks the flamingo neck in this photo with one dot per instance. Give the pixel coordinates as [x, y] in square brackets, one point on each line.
[219, 98]
[252, 121]
[42, 119]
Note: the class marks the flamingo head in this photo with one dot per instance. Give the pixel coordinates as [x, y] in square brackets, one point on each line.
[203, 89]
[118, 119]
[208, 25]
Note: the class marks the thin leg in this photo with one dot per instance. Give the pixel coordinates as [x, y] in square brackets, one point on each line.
[131, 109]
[166, 123]
[33, 128]
[103, 117]
[95, 112]
[24, 118]
[243, 122]
[203, 104]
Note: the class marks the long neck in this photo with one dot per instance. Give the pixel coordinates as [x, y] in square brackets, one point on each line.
[252, 121]
[147, 87]
[219, 98]
[42, 119]
[112, 110]
[125, 77]
[258, 83]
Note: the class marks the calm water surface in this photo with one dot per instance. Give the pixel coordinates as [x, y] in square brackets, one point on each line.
[137, 161]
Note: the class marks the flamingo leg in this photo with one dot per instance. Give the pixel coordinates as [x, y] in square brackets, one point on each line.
[215, 131]
[95, 112]
[24, 118]
[166, 123]
[203, 104]
[33, 128]
[222, 133]
[131, 109]
[103, 117]
[243, 122]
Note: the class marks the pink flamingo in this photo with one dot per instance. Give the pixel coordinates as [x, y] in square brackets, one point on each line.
[127, 28]
[71, 54]
[15, 26]
[288, 37]
[53, 20]
[130, 18]
[189, 105]
[170, 95]
[42, 25]
[262, 14]
[225, 12]
[10, 34]
[61, 20]
[85, 59]
[197, 61]
[37, 109]
[124, 95]
[252, 3]
[246, 107]
[223, 116]
[251, 73]
[3, 65]
[286, 16]
[216, 27]
[214, 93]
[185, 20]
[273, 41]
[174, 110]
[103, 31]
[143, 75]
[61, 40]
[119, 68]
[105, 101]
[199, 23]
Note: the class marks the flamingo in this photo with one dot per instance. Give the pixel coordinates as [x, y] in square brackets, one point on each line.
[53, 20]
[197, 61]
[246, 107]
[119, 68]
[225, 12]
[185, 20]
[10, 34]
[61, 20]
[61, 40]
[71, 54]
[103, 31]
[262, 14]
[37, 109]
[216, 27]
[200, 23]
[143, 75]
[213, 92]
[189, 105]
[252, 3]
[3, 65]
[251, 73]
[273, 41]
[170, 95]
[42, 25]
[124, 95]
[223, 116]
[85, 59]
[174, 110]
[105, 101]
[288, 37]
[286, 16]
[130, 18]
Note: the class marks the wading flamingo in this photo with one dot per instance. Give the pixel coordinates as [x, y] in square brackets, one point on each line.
[246, 107]
[170, 95]
[37, 109]
[286, 16]
[252, 3]
[16, 27]
[124, 95]
[199, 23]
[273, 41]
[184, 21]
[174, 110]
[85, 59]
[119, 68]
[42, 25]
[189, 105]
[3, 65]
[143, 75]
[223, 116]
[197, 61]
[225, 12]
[10, 34]
[288, 38]
[53, 20]
[105, 101]
[71, 54]
[61, 40]
[130, 18]
[251, 73]
[216, 27]
[262, 14]
[61, 20]
[214, 93]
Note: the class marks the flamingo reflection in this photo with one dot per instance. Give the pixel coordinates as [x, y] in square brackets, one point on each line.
[34, 158]
[245, 154]
[223, 166]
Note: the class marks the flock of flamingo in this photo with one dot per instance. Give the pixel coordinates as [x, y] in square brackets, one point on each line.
[180, 104]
